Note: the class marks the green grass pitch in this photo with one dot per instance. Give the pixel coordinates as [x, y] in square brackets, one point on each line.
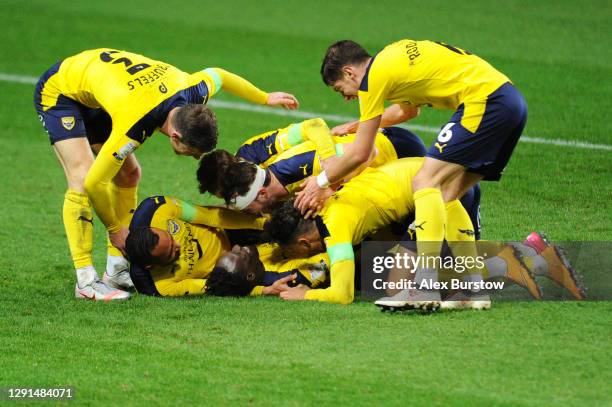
[264, 351]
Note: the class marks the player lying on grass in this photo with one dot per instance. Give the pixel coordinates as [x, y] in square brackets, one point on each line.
[516, 263]
[285, 159]
[174, 246]
[476, 143]
[370, 201]
[111, 101]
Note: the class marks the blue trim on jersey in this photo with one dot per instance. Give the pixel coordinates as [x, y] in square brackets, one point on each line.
[293, 169]
[155, 118]
[363, 86]
[260, 150]
[145, 211]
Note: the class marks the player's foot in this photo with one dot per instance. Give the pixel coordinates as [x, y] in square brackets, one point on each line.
[460, 300]
[410, 299]
[559, 268]
[120, 280]
[519, 273]
[98, 290]
[117, 273]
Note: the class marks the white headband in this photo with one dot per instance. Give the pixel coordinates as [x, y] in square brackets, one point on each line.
[242, 201]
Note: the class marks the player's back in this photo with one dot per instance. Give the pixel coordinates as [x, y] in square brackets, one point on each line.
[116, 80]
[434, 74]
[373, 199]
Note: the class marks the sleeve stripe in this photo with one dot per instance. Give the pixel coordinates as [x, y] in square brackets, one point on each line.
[216, 79]
[294, 135]
[340, 252]
[339, 150]
[189, 211]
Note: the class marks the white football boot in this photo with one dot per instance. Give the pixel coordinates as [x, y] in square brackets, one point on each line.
[98, 290]
[460, 300]
[410, 299]
[117, 273]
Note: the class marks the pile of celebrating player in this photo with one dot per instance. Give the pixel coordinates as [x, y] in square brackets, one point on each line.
[299, 200]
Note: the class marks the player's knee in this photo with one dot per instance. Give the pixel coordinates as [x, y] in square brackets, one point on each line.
[423, 179]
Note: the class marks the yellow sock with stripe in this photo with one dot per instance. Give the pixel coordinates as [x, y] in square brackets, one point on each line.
[429, 221]
[78, 222]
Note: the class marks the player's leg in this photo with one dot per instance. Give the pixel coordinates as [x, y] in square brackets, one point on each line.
[124, 189]
[430, 220]
[76, 158]
[124, 195]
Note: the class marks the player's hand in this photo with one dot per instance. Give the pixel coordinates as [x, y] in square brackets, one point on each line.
[117, 239]
[279, 285]
[286, 100]
[295, 293]
[311, 198]
[342, 129]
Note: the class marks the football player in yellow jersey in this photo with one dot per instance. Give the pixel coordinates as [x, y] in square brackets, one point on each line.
[477, 142]
[173, 246]
[284, 162]
[111, 101]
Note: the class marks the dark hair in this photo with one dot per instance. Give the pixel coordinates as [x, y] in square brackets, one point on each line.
[222, 283]
[338, 55]
[139, 244]
[286, 224]
[197, 125]
[224, 175]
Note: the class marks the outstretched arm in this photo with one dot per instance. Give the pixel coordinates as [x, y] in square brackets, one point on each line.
[238, 86]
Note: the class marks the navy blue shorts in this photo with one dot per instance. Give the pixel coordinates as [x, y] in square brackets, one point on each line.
[486, 150]
[68, 118]
[405, 142]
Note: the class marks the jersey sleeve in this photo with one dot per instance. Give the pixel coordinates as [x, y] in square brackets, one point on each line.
[217, 79]
[314, 130]
[190, 286]
[342, 259]
[373, 92]
[106, 165]
[217, 217]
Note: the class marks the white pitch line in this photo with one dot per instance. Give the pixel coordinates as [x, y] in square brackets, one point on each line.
[300, 114]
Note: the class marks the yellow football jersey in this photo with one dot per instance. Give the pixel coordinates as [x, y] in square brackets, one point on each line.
[296, 157]
[138, 93]
[425, 73]
[200, 233]
[370, 201]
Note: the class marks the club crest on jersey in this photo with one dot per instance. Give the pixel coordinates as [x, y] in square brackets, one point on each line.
[68, 122]
[173, 227]
[124, 151]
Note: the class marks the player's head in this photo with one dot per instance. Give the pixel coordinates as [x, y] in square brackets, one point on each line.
[194, 130]
[148, 247]
[241, 184]
[344, 66]
[297, 236]
[236, 273]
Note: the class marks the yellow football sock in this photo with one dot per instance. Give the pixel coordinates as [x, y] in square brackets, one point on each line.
[124, 201]
[78, 221]
[429, 221]
[460, 233]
